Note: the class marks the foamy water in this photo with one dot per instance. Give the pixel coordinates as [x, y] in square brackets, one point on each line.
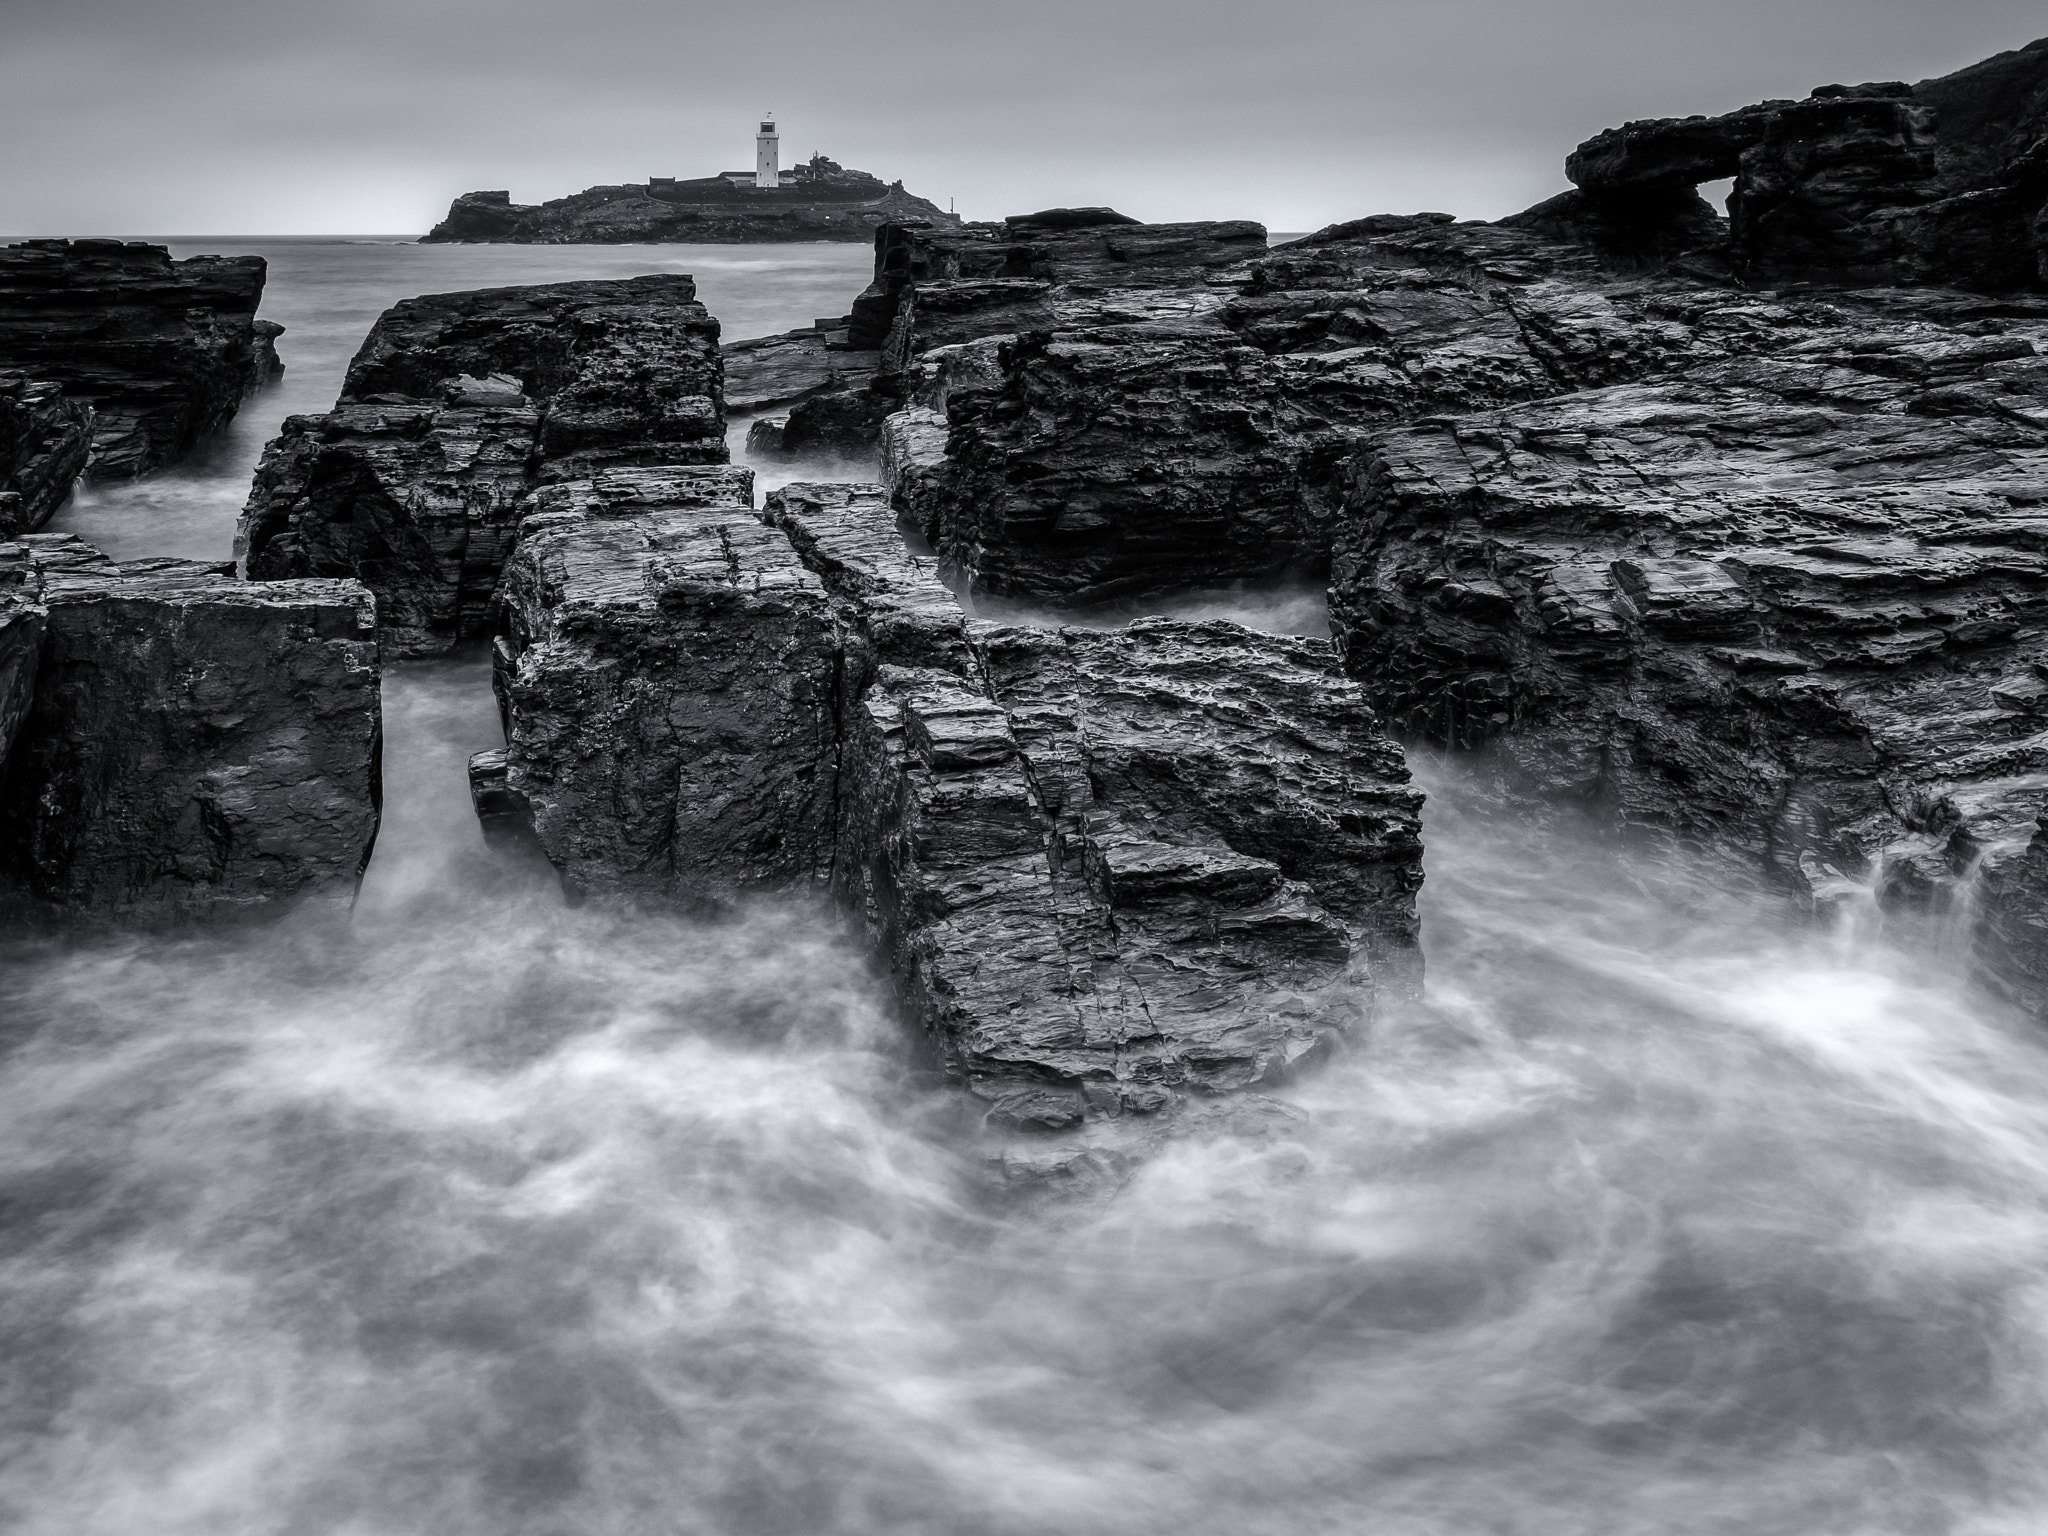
[1666, 1211]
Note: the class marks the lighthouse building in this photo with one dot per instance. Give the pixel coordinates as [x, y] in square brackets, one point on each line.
[767, 156]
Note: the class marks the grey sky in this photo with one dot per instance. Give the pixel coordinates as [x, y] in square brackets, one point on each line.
[366, 116]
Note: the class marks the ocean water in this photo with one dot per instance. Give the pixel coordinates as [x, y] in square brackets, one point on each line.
[328, 292]
[1667, 1211]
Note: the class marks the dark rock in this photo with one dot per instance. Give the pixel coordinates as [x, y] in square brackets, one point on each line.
[1943, 182]
[162, 351]
[770, 372]
[820, 201]
[1112, 873]
[1110, 442]
[502, 813]
[455, 408]
[44, 441]
[193, 747]
[1104, 875]
[1070, 218]
[1786, 607]
[668, 670]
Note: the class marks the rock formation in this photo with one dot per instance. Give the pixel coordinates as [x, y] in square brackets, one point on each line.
[178, 744]
[820, 201]
[810, 376]
[45, 439]
[1942, 182]
[1786, 606]
[455, 408]
[163, 351]
[1114, 874]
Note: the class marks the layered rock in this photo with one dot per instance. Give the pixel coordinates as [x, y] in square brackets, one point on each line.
[184, 745]
[1125, 442]
[454, 410]
[1787, 607]
[163, 351]
[667, 669]
[45, 439]
[1114, 874]
[1944, 182]
[819, 201]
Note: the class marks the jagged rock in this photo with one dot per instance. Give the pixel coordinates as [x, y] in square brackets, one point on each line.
[770, 372]
[1787, 607]
[1120, 442]
[667, 668]
[455, 408]
[44, 441]
[1111, 872]
[1944, 182]
[193, 747]
[163, 351]
[21, 640]
[818, 201]
[1103, 873]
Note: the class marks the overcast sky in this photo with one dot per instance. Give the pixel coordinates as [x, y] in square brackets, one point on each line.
[366, 116]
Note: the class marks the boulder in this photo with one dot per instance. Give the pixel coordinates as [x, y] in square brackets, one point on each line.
[162, 351]
[45, 439]
[193, 746]
[456, 407]
[667, 668]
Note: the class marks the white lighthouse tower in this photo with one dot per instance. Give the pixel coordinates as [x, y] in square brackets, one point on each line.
[767, 159]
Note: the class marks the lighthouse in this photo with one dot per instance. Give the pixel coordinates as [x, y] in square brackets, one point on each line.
[767, 160]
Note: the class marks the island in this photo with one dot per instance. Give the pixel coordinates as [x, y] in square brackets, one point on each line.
[818, 200]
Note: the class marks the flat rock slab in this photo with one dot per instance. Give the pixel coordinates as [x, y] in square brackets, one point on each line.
[193, 746]
[772, 372]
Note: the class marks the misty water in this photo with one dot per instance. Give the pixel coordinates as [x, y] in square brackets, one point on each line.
[1668, 1209]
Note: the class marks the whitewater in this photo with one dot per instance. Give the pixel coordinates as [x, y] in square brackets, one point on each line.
[1670, 1207]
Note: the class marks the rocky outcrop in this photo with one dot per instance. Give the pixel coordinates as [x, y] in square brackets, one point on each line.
[1785, 606]
[667, 669]
[184, 745]
[162, 351]
[1944, 182]
[45, 439]
[1120, 442]
[1115, 874]
[820, 201]
[454, 410]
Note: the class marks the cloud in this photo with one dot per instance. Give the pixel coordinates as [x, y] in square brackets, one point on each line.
[126, 116]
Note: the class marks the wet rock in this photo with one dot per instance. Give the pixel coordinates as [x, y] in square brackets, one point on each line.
[770, 372]
[162, 351]
[1108, 880]
[45, 439]
[667, 668]
[1785, 607]
[1127, 442]
[454, 410]
[1115, 875]
[193, 746]
[1942, 182]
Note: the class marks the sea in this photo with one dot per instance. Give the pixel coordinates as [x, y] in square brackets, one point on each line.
[1671, 1208]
